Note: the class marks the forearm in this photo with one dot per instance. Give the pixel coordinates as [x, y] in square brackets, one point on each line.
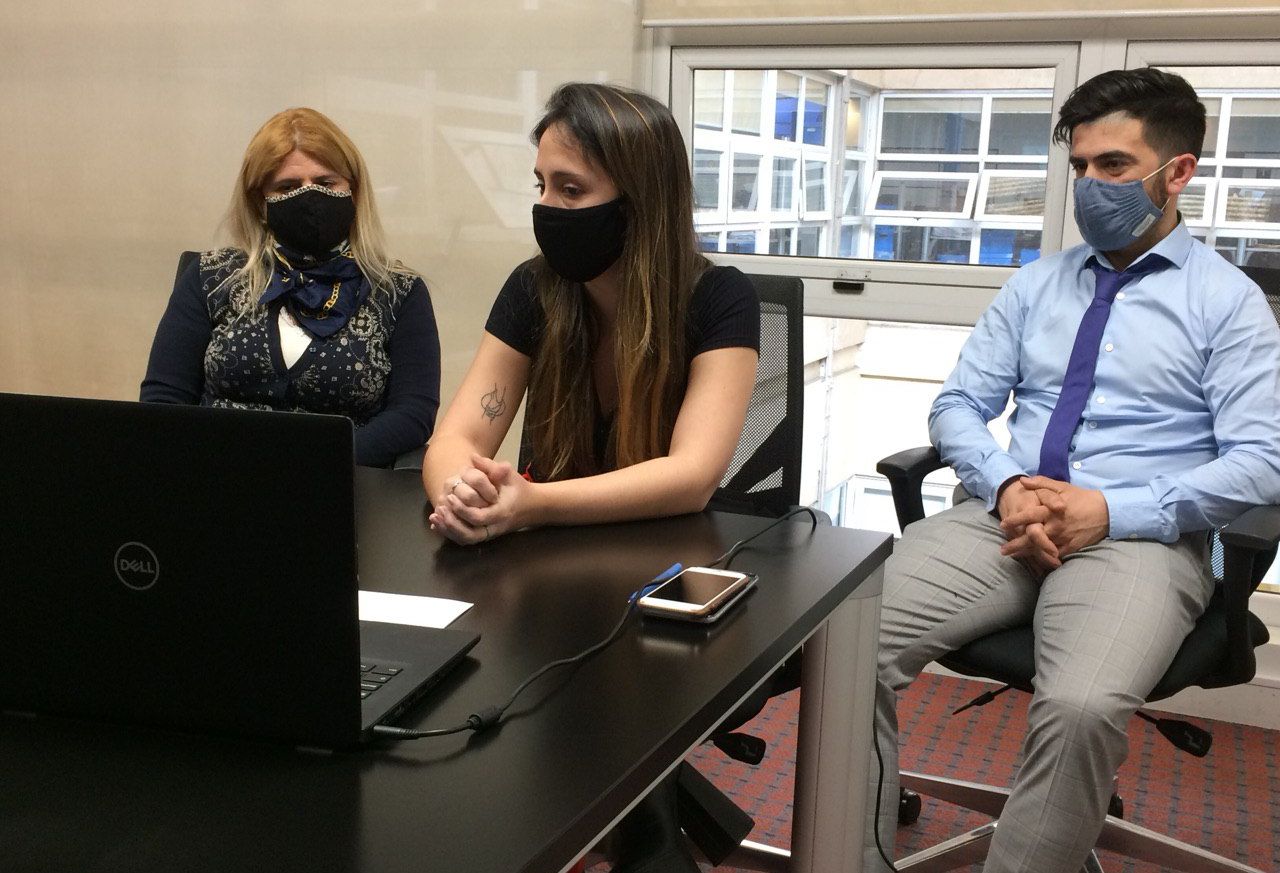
[660, 487]
[447, 455]
[959, 433]
[392, 432]
[1206, 497]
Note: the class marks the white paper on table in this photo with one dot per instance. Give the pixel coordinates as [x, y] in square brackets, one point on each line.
[410, 609]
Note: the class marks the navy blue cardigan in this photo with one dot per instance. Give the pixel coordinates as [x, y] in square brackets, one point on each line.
[381, 370]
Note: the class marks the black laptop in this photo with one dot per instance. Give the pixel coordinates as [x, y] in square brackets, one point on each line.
[195, 569]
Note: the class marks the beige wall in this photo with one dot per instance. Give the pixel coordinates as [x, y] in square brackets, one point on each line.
[123, 130]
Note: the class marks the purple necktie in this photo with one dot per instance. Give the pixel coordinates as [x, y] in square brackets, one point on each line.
[1078, 381]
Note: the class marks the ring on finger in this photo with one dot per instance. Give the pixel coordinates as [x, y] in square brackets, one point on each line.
[456, 483]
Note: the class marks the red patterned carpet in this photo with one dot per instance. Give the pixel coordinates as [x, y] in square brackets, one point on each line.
[1227, 802]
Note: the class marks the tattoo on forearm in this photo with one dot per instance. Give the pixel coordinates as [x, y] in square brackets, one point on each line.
[493, 404]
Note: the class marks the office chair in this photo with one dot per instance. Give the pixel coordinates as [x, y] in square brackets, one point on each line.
[1218, 652]
[184, 260]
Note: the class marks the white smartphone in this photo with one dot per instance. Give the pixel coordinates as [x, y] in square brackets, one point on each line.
[695, 594]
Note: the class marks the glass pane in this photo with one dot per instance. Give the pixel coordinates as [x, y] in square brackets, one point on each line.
[746, 182]
[848, 241]
[1191, 203]
[853, 123]
[816, 95]
[709, 242]
[786, 107]
[946, 245]
[1015, 195]
[1255, 128]
[780, 240]
[784, 179]
[708, 98]
[706, 179]
[1009, 247]
[809, 241]
[931, 125]
[748, 90]
[742, 242]
[1242, 251]
[1212, 112]
[933, 166]
[1250, 172]
[815, 186]
[1020, 126]
[852, 199]
[922, 195]
[1253, 204]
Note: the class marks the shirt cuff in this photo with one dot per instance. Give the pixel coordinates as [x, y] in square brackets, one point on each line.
[998, 469]
[1136, 515]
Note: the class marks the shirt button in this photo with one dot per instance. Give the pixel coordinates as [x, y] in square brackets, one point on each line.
[1076, 465]
[1092, 424]
[1100, 399]
[1109, 347]
[1120, 296]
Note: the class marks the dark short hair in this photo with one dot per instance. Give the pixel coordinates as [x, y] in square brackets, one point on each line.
[1172, 115]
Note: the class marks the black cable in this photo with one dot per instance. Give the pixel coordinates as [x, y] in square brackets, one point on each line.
[875, 828]
[491, 715]
[729, 555]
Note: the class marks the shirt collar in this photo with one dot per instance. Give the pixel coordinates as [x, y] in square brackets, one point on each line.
[1174, 248]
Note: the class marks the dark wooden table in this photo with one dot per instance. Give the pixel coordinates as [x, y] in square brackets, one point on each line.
[576, 751]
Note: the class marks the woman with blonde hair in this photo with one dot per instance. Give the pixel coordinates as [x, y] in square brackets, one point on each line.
[306, 311]
[636, 355]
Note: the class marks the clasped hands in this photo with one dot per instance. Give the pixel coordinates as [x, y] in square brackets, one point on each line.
[481, 502]
[1045, 520]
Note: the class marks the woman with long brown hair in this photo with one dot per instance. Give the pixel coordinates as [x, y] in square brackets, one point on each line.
[636, 355]
[306, 311]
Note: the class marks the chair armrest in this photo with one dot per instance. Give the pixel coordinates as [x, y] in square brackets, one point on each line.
[906, 471]
[1256, 529]
[1248, 548]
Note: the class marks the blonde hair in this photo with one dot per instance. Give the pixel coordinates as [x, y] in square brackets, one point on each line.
[316, 136]
[637, 143]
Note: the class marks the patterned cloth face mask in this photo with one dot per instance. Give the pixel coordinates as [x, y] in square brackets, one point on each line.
[1111, 215]
[312, 219]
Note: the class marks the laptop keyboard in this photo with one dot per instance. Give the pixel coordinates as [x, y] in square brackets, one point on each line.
[373, 677]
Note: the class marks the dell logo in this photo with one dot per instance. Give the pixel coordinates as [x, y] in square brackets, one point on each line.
[136, 566]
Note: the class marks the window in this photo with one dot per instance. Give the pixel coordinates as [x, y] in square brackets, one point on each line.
[941, 165]
[1233, 204]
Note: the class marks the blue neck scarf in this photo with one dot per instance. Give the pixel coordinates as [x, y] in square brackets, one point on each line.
[321, 295]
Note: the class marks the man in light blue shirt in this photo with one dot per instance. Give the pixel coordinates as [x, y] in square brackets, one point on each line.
[1145, 376]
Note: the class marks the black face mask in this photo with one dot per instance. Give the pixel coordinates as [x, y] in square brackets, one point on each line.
[580, 244]
[312, 220]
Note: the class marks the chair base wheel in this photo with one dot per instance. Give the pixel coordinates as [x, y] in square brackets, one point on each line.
[908, 807]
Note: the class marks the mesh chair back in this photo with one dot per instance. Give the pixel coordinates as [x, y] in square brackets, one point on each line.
[764, 475]
[184, 261]
[1268, 279]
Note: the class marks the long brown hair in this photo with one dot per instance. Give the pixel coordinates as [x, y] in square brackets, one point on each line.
[316, 136]
[635, 140]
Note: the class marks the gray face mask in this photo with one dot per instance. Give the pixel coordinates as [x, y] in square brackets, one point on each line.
[1111, 215]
